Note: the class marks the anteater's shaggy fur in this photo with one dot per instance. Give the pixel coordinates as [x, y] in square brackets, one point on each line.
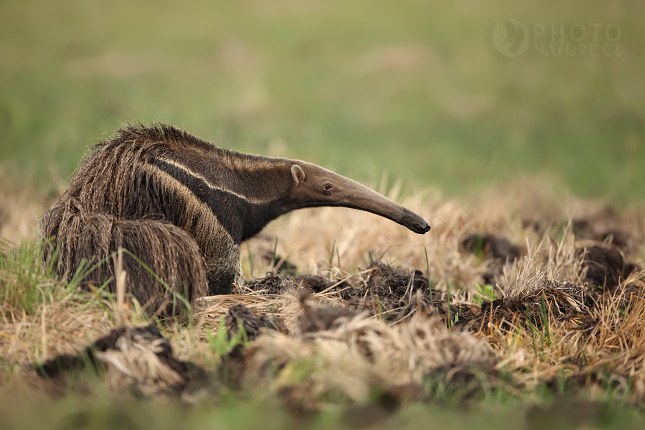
[116, 200]
[183, 206]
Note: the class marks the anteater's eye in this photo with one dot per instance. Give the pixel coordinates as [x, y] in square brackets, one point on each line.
[328, 187]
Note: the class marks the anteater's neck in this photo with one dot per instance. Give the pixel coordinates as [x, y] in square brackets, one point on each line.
[264, 182]
[245, 192]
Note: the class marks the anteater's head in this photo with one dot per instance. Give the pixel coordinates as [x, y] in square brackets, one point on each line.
[314, 186]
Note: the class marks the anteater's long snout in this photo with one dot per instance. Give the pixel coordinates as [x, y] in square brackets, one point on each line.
[415, 223]
[368, 200]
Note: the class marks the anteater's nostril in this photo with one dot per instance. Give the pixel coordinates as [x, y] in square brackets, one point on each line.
[420, 227]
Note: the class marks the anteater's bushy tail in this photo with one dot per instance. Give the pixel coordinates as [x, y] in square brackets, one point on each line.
[171, 253]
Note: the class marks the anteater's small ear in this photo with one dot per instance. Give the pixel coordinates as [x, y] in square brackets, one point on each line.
[298, 174]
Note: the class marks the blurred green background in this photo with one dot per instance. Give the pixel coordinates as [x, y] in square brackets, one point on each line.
[421, 90]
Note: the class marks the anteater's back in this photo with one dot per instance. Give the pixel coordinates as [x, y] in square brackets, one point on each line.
[119, 199]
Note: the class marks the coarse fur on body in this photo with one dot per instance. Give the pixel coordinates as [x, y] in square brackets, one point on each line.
[183, 206]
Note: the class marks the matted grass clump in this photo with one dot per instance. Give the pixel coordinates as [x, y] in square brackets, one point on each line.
[339, 310]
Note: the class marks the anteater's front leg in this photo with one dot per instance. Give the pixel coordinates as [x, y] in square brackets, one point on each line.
[222, 265]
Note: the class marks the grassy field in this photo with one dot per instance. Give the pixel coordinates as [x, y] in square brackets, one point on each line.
[420, 98]
[554, 350]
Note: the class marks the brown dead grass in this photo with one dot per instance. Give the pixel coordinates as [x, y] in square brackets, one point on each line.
[385, 331]
[59, 326]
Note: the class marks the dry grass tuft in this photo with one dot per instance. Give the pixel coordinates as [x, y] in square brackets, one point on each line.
[134, 360]
[63, 323]
[360, 355]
